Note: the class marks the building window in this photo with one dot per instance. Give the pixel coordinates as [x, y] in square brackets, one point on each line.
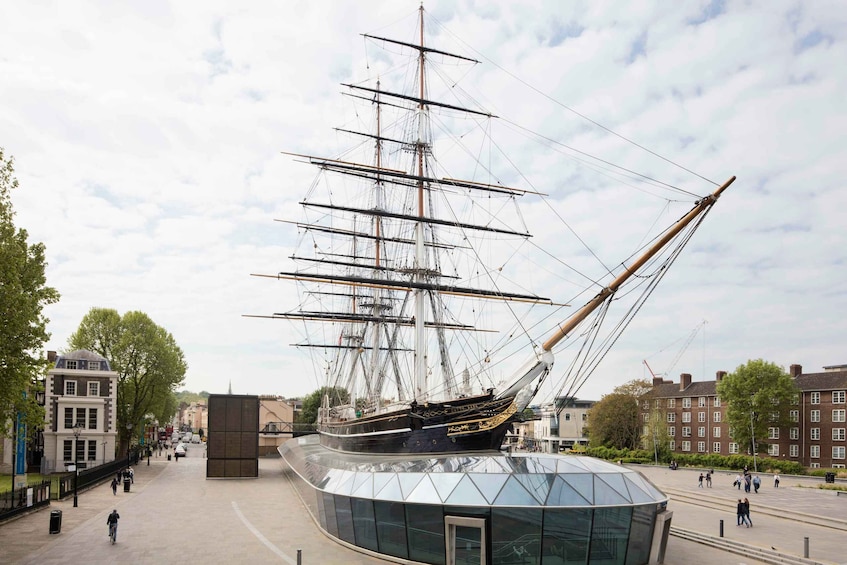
[701, 431]
[716, 447]
[794, 433]
[70, 388]
[645, 417]
[686, 402]
[716, 416]
[716, 432]
[701, 446]
[69, 418]
[774, 416]
[838, 452]
[70, 364]
[80, 417]
[815, 398]
[686, 446]
[838, 396]
[773, 433]
[773, 450]
[815, 434]
[717, 402]
[671, 417]
[92, 418]
[795, 400]
[794, 415]
[671, 431]
[93, 388]
[686, 417]
[701, 402]
[815, 465]
[94, 365]
[67, 449]
[793, 451]
[837, 434]
[672, 445]
[815, 451]
[567, 416]
[839, 415]
[671, 402]
[658, 403]
[733, 448]
[686, 431]
[80, 450]
[92, 450]
[701, 416]
[584, 417]
[815, 416]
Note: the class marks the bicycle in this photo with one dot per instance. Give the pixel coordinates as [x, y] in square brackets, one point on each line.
[113, 533]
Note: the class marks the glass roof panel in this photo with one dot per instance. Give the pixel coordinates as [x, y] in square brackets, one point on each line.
[563, 494]
[424, 493]
[605, 495]
[583, 483]
[345, 485]
[647, 486]
[636, 493]
[445, 483]
[381, 479]
[466, 494]
[391, 490]
[363, 485]
[335, 476]
[570, 464]
[514, 494]
[489, 484]
[599, 466]
[408, 482]
[616, 482]
[537, 484]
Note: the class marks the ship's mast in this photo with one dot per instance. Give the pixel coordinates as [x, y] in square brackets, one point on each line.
[420, 251]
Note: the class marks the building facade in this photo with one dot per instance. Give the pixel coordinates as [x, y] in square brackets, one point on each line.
[80, 391]
[695, 418]
[559, 426]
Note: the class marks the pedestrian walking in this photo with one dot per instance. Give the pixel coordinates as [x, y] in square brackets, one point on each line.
[747, 481]
[737, 482]
[739, 513]
[746, 508]
[776, 480]
[757, 482]
[709, 479]
[114, 486]
[132, 476]
[700, 481]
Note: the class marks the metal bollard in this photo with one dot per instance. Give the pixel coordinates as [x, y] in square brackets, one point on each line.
[300, 552]
[806, 547]
[721, 528]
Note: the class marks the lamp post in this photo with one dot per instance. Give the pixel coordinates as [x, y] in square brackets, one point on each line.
[128, 441]
[77, 430]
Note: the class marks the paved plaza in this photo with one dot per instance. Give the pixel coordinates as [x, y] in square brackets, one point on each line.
[174, 514]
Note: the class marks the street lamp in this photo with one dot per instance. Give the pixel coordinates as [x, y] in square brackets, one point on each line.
[128, 441]
[77, 430]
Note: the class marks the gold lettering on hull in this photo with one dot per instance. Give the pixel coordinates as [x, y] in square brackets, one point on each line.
[482, 424]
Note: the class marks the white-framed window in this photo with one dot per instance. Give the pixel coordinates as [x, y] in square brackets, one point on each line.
[815, 465]
[701, 402]
[701, 446]
[701, 431]
[717, 402]
[839, 415]
[701, 416]
[716, 416]
[671, 402]
[716, 447]
[838, 396]
[69, 418]
[92, 450]
[92, 418]
[686, 431]
[686, 446]
[794, 433]
[716, 431]
[672, 445]
[795, 400]
[773, 433]
[645, 405]
[80, 417]
[794, 450]
[814, 415]
[773, 450]
[774, 416]
[68, 449]
[645, 431]
[838, 452]
[671, 417]
[671, 431]
[686, 402]
[645, 417]
[794, 415]
[93, 388]
[815, 398]
[94, 365]
[658, 403]
[774, 401]
[70, 388]
[837, 434]
[815, 451]
[686, 417]
[70, 364]
[838, 466]
[733, 448]
[815, 434]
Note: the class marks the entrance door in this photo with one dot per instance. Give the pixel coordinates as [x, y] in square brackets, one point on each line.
[465, 540]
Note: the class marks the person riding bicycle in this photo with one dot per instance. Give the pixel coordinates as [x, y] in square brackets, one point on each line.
[112, 521]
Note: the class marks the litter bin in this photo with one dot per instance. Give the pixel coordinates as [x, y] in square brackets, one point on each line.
[55, 521]
[830, 477]
[169, 456]
[126, 484]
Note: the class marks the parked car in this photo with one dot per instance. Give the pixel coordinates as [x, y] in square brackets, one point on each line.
[179, 451]
[195, 438]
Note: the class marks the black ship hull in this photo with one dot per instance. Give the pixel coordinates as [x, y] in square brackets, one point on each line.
[467, 424]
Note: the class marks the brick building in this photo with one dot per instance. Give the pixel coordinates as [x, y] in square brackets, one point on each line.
[696, 418]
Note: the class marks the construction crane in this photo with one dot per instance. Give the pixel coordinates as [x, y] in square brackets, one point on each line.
[685, 345]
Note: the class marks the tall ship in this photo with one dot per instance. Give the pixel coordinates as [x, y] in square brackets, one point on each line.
[423, 298]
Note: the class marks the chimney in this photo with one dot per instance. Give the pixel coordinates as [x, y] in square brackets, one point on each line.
[796, 371]
[657, 381]
[51, 356]
[684, 381]
[719, 376]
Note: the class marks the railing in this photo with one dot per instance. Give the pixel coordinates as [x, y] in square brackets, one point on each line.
[295, 428]
[18, 501]
[89, 477]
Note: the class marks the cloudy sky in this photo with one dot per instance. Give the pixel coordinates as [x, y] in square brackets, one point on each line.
[147, 140]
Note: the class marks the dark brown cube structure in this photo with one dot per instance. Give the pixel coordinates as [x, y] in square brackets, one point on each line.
[233, 443]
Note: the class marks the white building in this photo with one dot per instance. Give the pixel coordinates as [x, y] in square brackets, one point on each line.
[81, 390]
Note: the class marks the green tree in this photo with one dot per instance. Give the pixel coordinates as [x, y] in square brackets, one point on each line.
[309, 411]
[613, 422]
[654, 436]
[758, 396]
[23, 327]
[149, 363]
